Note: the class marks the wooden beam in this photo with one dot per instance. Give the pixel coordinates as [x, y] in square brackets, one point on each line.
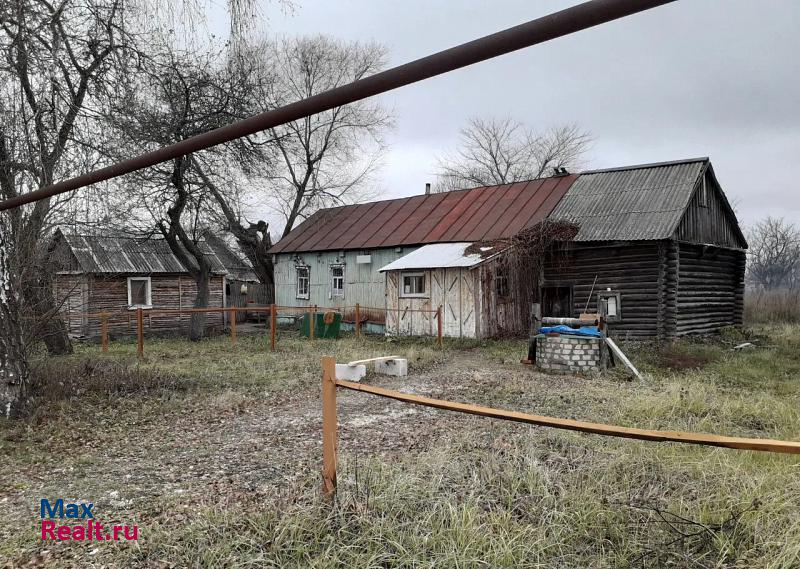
[766, 445]
[370, 360]
[329, 425]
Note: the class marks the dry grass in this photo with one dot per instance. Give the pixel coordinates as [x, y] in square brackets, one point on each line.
[473, 493]
[776, 306]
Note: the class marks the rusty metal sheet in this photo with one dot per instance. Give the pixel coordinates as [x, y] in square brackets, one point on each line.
[457, 203]
[384, 236]
[423, 219]
[477, 198]
[463, 215]
[495, 210]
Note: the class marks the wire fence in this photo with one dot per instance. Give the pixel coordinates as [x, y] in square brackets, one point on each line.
[317, 322]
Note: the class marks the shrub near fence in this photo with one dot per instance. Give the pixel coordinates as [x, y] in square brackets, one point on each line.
[140, 320]
[776, 306]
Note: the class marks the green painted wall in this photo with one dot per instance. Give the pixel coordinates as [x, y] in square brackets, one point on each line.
[363, 283]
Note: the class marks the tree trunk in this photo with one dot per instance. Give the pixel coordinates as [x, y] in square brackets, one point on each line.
[13, 362]
[49, 327]
[197, 323]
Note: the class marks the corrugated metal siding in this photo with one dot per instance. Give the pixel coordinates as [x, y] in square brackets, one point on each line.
[464, 215]
[116, 255]
[644, 203]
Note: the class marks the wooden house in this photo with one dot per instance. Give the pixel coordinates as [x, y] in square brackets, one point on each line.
[117, 275]
[658, 245]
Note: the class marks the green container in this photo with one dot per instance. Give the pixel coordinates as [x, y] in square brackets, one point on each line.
[321, 330]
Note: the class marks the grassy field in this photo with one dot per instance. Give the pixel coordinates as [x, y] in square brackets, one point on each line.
[215, 454]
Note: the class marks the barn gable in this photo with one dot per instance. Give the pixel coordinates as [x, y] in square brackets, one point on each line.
[708, 218]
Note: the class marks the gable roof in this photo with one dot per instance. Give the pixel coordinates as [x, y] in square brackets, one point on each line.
[232, 258]
[477, 214]
[642, 202]
[115, 255]
[632, 203]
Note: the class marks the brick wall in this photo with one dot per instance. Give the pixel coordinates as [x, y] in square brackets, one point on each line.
[568, 353]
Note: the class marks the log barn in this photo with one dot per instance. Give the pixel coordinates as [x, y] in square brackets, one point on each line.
[657, 245]
[94, 274]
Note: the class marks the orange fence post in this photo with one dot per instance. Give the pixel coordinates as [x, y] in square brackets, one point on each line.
[439, 325]
[311, 324]
[140, 333]
[233, 326]
[273, 320]
[358, 320]
[104, 331]
[329, 425]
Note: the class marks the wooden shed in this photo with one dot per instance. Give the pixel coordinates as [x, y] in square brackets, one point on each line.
[442, 275]
[95, 274]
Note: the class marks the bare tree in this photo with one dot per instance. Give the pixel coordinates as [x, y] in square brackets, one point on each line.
[56, 63]
[178, 95]
[501, 151]
[326, 159]
[774, 254]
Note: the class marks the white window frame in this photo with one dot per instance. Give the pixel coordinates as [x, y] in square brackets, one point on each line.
[334, 293]
[422, 294]
[603, 296]
[307, 294]
[149, 292]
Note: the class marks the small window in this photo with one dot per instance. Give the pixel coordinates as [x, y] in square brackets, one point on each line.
[501, 282]
[608, 303]
[413, 284]
[337, 281]
[139, 294]
[303, 284]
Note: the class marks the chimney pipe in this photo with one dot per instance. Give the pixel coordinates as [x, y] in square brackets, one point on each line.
[428, 189]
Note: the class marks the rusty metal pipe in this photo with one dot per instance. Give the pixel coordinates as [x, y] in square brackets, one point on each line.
[558, 24]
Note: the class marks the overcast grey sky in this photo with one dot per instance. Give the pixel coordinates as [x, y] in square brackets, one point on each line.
[718, 78]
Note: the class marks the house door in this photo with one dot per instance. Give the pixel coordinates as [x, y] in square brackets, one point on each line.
[557, 301]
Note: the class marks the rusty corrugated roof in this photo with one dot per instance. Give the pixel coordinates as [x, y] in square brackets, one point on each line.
[643, 202]
[101, 254]
[470, 215]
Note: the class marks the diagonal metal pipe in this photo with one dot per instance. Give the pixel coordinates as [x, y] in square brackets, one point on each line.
[540, 30]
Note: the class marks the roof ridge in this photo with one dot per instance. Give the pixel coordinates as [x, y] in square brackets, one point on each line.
[647, 165]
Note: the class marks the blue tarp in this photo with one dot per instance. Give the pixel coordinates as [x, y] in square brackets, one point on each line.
[561, 329]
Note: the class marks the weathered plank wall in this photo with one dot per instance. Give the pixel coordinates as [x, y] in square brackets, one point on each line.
[710, 289]
[709, 221]
[498, 316]
[453, 289]
[110, 294]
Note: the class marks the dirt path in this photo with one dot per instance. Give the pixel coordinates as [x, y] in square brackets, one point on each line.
[234, 449]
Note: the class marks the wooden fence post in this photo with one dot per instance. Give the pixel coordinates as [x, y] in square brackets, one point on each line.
[234, 338]
[140, 333]
[439, 325]
[311, 323]
[273, 320]
[358, 320]
[329, 425]
[104, 331]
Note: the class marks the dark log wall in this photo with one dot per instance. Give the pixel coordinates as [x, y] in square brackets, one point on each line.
[710, 288]
[712, 223]
[636, 270]
[94, 294]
